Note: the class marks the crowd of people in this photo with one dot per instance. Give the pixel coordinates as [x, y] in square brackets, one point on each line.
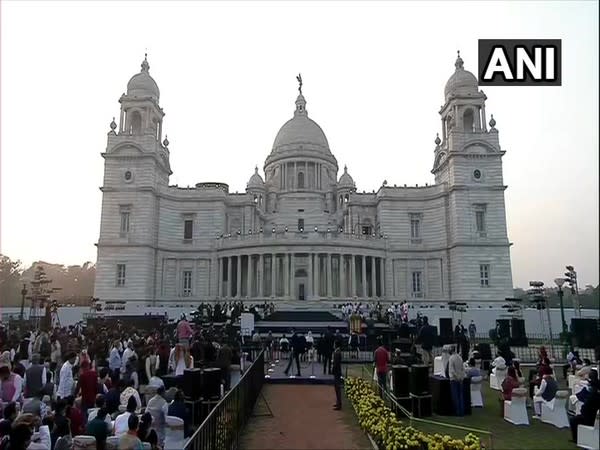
[102, 381]
[231, 311]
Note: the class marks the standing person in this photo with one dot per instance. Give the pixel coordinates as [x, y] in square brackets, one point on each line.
[114, 362]
[66, 384]
[456, 372]
[224, 359]
[426, 338]
[35, 378]
[472, 330]
[184, 331]
[295, 354]
[88, 385]
[353, 344]
[382, 358]
[327, 350]
[337, 376]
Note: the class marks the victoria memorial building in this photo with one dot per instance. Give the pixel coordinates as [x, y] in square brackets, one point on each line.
[302, 232]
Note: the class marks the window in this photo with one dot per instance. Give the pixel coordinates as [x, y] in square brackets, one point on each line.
[301, 225]
[188, 229]
[415, 227]
[366, 230]
[120, 274]
[484, 275]
[187, 283]
[416, 284]
[480, 224]
[300, 180]
[124, 222]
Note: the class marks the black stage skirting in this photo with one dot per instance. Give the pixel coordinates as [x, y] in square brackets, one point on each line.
[442, 397]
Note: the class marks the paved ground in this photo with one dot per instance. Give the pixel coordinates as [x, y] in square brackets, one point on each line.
[303, 418]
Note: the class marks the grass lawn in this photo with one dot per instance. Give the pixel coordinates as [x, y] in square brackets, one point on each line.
[537, 435]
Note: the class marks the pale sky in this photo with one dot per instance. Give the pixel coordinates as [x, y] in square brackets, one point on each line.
[374, 76]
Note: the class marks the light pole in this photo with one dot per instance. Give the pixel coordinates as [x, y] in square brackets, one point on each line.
[23, 294]
[537, 290]
[571, 280]
[559, 282]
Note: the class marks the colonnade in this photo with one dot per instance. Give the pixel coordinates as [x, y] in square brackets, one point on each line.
[303, 276]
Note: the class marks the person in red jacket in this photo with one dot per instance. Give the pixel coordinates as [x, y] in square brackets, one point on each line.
[88, 385]
[382, 358]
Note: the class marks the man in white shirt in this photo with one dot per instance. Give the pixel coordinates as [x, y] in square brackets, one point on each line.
[65, 387]
[456, 372]
[121, 426]
[127, 354]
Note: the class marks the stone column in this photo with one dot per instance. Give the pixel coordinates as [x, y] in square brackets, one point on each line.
[364, 276]
[273, 284]
[219, 278]
[286, 276]
[373, 278]
[342, 267]
[329, 277]
[229, 274]
[249, 277]
[382, 276]
[293, 277]
[317, 276]
[239, 277]
[309, 290]
[353, 268]
[260, 278]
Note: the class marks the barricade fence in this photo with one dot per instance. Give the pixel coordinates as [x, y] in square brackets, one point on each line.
[222, 428]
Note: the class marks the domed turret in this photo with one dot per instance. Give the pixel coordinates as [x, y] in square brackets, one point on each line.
[300, 131]
[462, 82]
[256, 181]
[142, 84]
[346, 180]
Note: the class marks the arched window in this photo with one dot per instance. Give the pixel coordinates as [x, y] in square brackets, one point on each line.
[255, 199]
[136, 123]
[468, 121]
[300, 180]
[346, 198]
[260, 200]
[341, 200]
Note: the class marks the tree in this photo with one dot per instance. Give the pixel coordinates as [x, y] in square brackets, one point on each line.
[10, 281]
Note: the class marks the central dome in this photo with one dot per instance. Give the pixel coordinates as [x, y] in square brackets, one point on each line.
[300, 130]
[142, 84]
[462, 82]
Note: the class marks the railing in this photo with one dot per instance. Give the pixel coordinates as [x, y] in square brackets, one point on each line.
[222, 428]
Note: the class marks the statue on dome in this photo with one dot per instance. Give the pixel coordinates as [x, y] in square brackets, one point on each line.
[299, 78]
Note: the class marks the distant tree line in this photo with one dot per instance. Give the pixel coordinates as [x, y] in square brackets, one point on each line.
[589, 297]
[76, 282]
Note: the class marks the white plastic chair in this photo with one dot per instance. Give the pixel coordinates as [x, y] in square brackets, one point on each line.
[84, 442]
[476, 397]
[496, 379]
[112, 443]
[515, 410]
[557, 416]
[174, 437]
[589, 437]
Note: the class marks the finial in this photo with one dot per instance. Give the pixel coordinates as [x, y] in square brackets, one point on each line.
[459, 62]
[437, 139]
[166, 141]
[145, 65]
[492, 121]
[345, 168]
[113, 125]
[255, 169]
[299, 78]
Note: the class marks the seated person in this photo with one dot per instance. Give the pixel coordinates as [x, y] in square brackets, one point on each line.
[585, 370]
[584, 393]
[178, 409]
[473, 371]
[498, 364]
[99, 403]
[589, 410]
[130, 440]
[509, 383]
[98, 428]
[546, 393]
[130, 391]
[544, 369]
[121, 426]
[573, 361]
[145, 432]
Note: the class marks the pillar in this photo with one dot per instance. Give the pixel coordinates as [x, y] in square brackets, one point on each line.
[342, 276]
[329, 276]
[286, 276]
[382, 276]
[273, 259]
[229, 283]
[249, 277]
[293, 277]
[353, 267]
[260, 278]
[317, 276]
[364, 276]
[309, 290]
[219, 278]
[373, 278]
[238, 283]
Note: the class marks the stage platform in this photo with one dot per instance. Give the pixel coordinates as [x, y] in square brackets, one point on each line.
[311, 373]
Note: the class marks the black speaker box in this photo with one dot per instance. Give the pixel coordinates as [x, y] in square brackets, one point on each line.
[446, 330]
[211, 387]
[586, 332]
[173, 380]
[517, 333]
[503, 327]
[401, 380]
[419, 379]
[192, 383]
[485, 351]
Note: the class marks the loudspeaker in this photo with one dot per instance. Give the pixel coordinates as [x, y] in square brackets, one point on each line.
[446, 330]
[586, 332]
[503, 327]
[484, 350]
[173, 380]
[211, 386]
[192, 383]
[419, 379]
[517, 330]
[400, 379]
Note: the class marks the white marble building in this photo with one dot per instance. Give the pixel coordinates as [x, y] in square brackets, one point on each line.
[302, 234]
